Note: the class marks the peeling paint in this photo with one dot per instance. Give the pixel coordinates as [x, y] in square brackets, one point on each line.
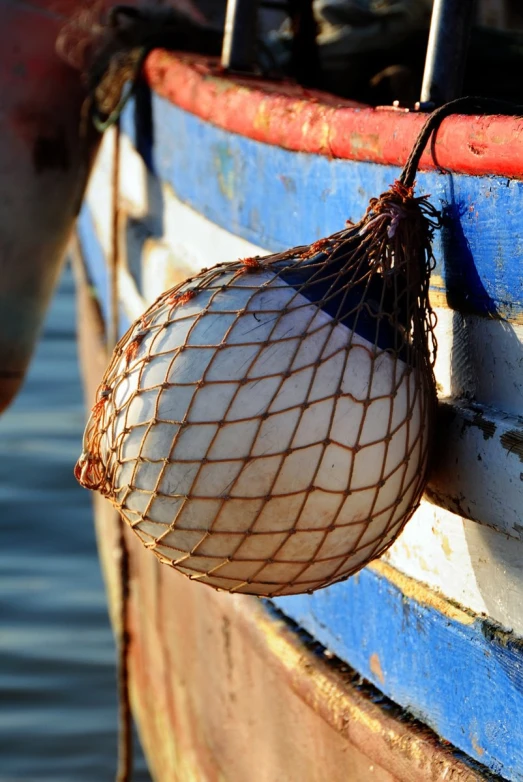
[224, 164]
[367, 142]
[288, 183]
[487, 427]
[415, 590]
[375, 666]
[512, 441]
[445, 545]
[476, 746]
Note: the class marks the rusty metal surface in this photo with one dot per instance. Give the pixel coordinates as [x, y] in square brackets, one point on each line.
[225, 692]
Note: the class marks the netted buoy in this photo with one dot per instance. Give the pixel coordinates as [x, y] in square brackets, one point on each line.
[265, 426]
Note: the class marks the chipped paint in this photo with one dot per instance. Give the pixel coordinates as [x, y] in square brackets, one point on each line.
[375, 666]
[417, 645]
[512, 441]
[415, 590]
[262, 120]
[445, 545]
[369, 142]
[479, 750]
[476, 465]
[224, 163]
[479, 420]
[324, 695]
[288, 183]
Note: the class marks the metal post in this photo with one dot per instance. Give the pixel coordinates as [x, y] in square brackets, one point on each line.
[239, 40]
[446, 51]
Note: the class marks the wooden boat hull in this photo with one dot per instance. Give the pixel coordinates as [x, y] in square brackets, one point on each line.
[436, 625]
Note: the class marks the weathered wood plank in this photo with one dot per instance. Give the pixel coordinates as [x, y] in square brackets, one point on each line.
[481, 359]
[478, 470]
[467, 562]
[458, 673]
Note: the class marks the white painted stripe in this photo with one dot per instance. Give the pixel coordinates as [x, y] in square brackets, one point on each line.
[466, 562]
[189, 243]
[478, 471]
[481, 359]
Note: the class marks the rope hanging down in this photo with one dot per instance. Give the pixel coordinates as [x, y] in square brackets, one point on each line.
[265, 427]
[125, 738]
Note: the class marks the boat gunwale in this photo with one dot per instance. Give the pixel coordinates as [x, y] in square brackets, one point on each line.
[318, 123]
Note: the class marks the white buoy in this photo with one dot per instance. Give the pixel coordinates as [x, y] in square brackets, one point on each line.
[256, 442]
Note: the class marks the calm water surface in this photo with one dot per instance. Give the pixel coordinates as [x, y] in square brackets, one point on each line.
[57, 657]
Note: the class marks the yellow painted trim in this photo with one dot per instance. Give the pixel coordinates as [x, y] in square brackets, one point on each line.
[416, 590]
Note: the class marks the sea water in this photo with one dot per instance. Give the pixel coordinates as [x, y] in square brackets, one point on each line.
[57, 656]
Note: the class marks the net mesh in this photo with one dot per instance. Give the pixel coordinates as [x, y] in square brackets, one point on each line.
[265, 426]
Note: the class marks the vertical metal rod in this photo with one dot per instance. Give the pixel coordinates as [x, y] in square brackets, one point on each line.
[124, 770]
[114, 324]
[447, 51]
[239, 39]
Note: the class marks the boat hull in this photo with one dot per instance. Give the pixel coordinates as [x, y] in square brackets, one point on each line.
[444, 602]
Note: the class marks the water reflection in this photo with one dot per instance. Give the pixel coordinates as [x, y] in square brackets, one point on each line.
[57, 670]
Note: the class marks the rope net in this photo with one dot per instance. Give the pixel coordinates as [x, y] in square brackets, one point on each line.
[265, 426]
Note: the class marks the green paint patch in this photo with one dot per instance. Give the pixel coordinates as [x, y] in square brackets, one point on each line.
[224, 164]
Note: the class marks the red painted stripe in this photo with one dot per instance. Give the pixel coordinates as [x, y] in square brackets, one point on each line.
[296, 119]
